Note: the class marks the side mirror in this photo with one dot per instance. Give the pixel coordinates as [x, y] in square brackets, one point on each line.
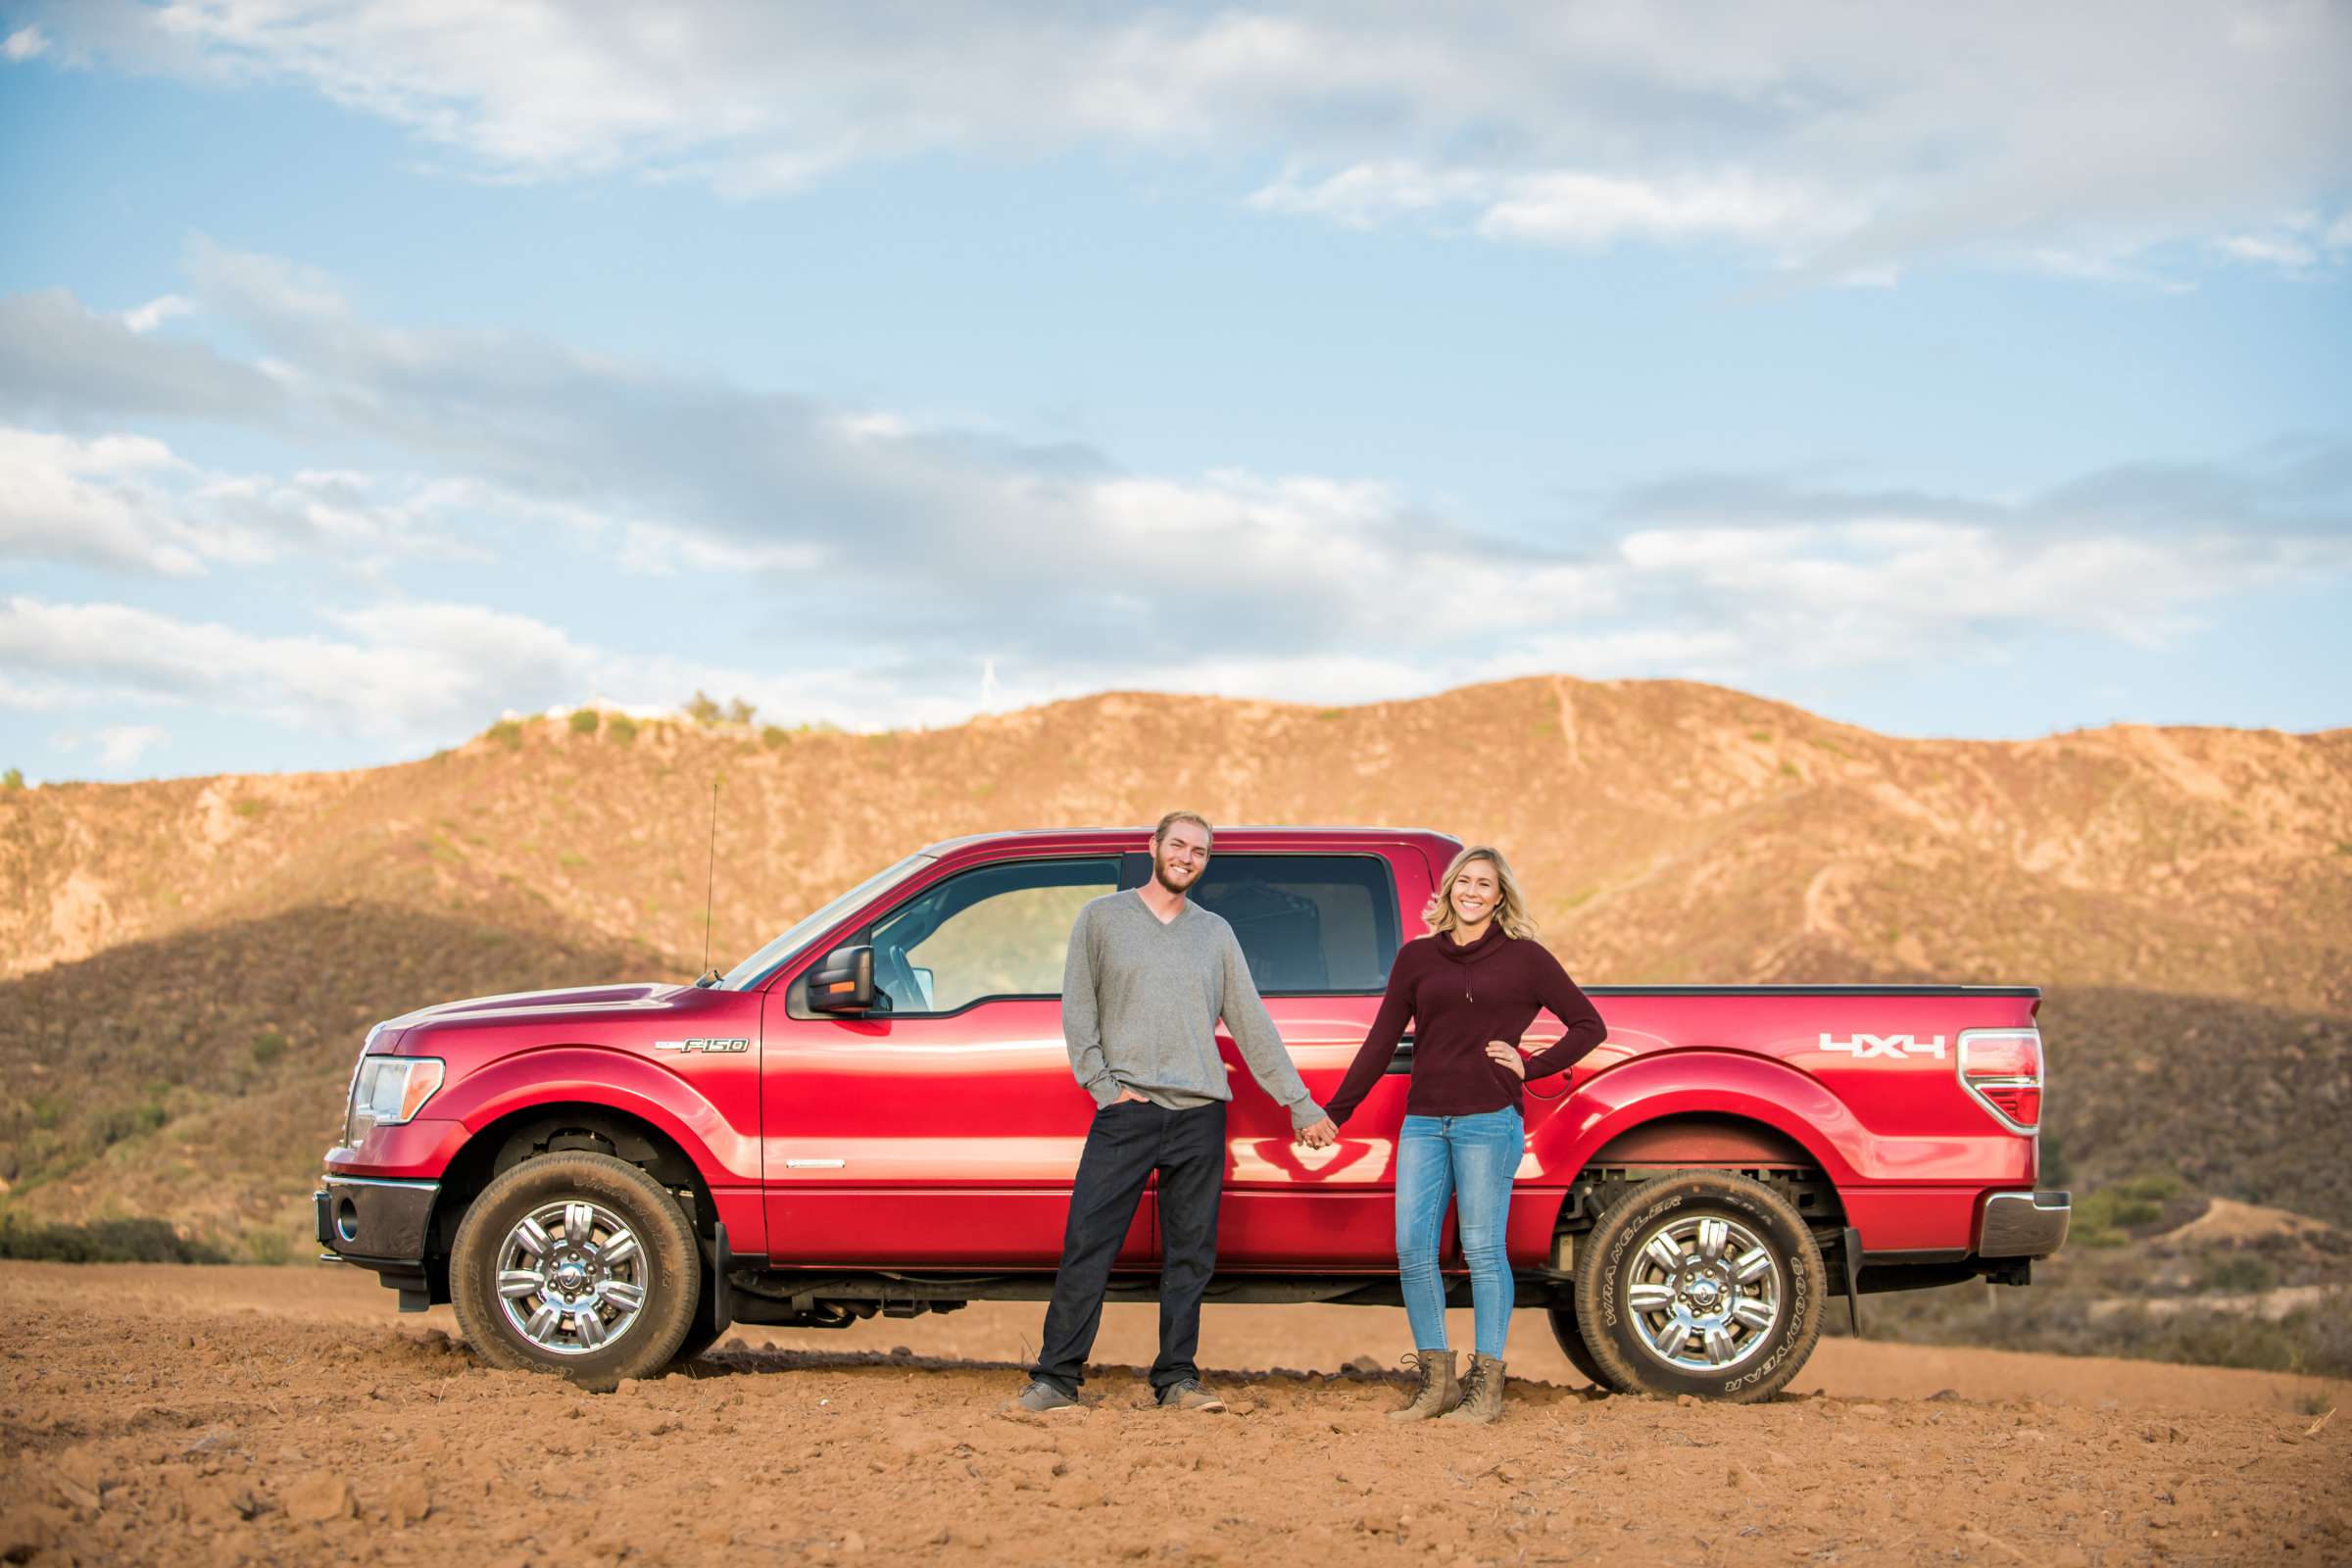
[843, 981]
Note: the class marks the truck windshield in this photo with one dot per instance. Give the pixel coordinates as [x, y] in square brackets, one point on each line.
[755, 968]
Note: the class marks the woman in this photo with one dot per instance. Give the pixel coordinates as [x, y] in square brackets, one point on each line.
[1469, 990]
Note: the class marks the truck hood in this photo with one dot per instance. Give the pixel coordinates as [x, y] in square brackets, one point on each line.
[642, 996]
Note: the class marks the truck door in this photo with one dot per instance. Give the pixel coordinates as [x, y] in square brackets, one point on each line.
[945, 1128]
[1320, 931]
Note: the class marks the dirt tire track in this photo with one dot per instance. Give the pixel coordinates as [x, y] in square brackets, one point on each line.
[286, 1416]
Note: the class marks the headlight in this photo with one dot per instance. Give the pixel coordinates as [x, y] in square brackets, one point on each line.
[387, 1091]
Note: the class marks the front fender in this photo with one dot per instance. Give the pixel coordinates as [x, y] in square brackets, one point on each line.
[1721, 1083]
[727, 1156]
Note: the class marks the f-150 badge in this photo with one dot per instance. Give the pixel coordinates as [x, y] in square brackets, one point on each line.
[716, 1047]
[1864, 1047]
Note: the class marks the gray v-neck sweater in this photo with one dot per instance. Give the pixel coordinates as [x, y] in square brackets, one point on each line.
[1140, 1002]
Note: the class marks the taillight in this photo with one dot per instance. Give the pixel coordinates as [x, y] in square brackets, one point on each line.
[2001, 1069]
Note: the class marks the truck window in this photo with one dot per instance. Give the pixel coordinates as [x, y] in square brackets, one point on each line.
[993, 931]
[1309, 924]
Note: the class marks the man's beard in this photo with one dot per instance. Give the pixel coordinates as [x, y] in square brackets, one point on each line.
[1159, 874]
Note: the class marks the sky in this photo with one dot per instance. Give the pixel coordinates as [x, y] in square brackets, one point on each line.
[369, 370]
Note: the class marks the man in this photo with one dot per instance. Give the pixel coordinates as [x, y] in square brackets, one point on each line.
[1148, 975]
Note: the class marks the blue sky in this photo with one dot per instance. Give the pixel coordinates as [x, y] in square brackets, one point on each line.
[368, 371]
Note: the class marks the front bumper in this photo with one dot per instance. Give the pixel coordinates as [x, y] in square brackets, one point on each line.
[374, 1219]
[2024, 1224]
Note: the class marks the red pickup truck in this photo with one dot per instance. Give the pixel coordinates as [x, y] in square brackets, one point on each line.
[875, 1113]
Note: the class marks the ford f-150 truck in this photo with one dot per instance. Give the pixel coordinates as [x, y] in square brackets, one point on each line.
[875, 1113]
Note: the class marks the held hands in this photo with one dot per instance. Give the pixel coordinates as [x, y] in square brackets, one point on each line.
[1320, 1134]
[1506, 1054]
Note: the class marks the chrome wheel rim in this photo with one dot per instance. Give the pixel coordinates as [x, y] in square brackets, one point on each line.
[1704, 1293]
[571, 1278]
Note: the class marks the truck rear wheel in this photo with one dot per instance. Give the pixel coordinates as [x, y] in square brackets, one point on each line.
[1705, 1283]
[1571, 1336]
[580, 1265]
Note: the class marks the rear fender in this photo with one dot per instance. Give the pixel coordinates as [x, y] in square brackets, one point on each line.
[1712, 1083]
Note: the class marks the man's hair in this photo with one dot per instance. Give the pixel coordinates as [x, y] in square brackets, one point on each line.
[1173, 817]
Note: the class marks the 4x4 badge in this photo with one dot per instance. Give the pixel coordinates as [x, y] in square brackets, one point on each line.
[1864, 1047]
[714, 1047]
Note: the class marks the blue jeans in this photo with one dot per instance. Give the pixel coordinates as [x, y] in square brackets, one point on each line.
[1470, 1159]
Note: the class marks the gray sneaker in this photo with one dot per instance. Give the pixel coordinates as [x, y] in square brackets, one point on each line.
[1041, 1397]
[1189, 1395]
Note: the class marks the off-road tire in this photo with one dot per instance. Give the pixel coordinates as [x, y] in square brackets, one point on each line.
[671, 1273]
[1570, 1337]
[1608, 1257]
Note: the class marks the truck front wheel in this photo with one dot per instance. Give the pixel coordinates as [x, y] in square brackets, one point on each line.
[575, 1263]
[1704, 1283]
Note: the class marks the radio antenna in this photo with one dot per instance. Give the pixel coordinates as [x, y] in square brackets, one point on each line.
[709, 886]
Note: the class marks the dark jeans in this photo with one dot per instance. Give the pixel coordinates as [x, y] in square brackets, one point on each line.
[1128, 1141]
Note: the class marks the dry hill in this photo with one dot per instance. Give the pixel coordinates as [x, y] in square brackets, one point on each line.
[194, 959]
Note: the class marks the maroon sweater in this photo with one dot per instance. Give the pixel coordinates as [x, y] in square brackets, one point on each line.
[1457, 998]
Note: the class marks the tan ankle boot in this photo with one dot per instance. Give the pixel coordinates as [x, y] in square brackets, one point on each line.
[1482, 1392]
[1434, 1392]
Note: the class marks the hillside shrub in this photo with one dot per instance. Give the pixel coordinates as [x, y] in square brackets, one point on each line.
[267, 1047]
[508, 732]
[270, 1247]
[621, 729]
[702, 710]
[13, 779]
[776, 736]
[107, 1241]
[249, 808]
[584, 721]
[2237, 1274]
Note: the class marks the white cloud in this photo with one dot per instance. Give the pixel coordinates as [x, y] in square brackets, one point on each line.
[1574, 209]
[403, 670]
[119, 746]
[2293, 255]
[105, 501]
[129, 503]
[156, 312]
[1595, 210]
[1852, 592]
[1998, 131]
[884, 560]
[24, 44]
[412, 673]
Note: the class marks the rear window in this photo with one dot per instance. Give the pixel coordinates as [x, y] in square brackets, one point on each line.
[1309, 924]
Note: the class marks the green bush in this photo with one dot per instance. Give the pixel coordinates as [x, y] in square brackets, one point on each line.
[267, 1047]
[584, 721]
[774, 736]
[249, 808]
[620, 728]
[271, 1247]
[2238, 1274]
[2123, 1206]
[13, 779]
[508, 733]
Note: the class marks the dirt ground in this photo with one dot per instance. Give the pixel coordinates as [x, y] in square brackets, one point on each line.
[192, 1416]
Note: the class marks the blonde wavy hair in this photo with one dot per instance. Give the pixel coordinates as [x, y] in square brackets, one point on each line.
[1510, 911]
